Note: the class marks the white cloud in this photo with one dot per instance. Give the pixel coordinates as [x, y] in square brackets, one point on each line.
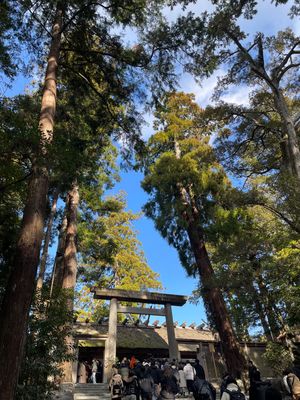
[202, 92]
[239, 95]
[270, 19]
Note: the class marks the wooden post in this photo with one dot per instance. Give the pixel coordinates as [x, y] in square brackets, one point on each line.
[173, 345]
[111, 342]
[202, 358]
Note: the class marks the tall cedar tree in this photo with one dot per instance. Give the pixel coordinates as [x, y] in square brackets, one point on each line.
[252, 145]
[187, 187]
[211, 40]
[60, 19]
[70, 265]
[47, 238]
[110, 254]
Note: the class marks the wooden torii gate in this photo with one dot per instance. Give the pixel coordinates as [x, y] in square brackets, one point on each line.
[118, 295]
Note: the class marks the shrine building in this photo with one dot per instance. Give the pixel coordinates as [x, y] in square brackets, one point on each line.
[109, 341]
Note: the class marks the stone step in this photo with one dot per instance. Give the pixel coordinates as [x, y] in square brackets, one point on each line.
[88, 385]
[91, 387]
[91, 397]
[91, 391]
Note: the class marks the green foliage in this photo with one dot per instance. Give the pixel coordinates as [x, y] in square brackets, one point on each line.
[111, 255]
[257, 265]
[9, 20]
[18, 139]
[278, 357]
[45, 350]
[196, 170]
[214, 40]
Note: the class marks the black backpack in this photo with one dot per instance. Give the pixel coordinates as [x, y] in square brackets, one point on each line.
[235, 394]
[130, 388]
[204, 391]
[117, 389]
[146, 384]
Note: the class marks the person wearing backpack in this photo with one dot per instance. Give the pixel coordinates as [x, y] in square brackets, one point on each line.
[224, 383]
[146, 384]
[199, 369]
[116, 387]
[130, 387]
[232, 390]
[169, 385]
[203, 390]
[292, 384]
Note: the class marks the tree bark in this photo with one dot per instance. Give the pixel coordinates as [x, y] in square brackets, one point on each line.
[18, 296]
[58, 267]
[293, 150]
[213, 296]
[70, 259]
[43, 263]
[267, 304]
[70, 268]
[235, 360]
[260, 312]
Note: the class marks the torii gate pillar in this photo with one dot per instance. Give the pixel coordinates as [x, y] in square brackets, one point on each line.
[115, 295]
[173, 345]
[111, 343]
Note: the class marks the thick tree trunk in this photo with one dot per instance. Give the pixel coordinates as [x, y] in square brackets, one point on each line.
[43, 263]
[213, 297]
[265, 298]
[235, 360]
[70, 268]
[58, 267]
[260, 312]
[267, 304]
[285, 156]
[293, 151]
[18, 296]
[70, 259]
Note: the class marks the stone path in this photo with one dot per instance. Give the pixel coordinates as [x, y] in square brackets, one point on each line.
[89, 392]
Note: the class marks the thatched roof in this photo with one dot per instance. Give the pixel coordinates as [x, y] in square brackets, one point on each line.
[144, 337]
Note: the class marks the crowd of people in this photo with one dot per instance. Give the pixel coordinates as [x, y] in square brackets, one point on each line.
[159, 379]
[155, 379]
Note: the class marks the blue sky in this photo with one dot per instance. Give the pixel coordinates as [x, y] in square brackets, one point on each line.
[161, 257]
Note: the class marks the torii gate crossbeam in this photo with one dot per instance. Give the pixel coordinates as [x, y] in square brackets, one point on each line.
[115, 295]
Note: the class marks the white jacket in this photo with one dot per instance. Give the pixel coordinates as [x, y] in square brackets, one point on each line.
[182, 380]
[189, 372]
[232, 387]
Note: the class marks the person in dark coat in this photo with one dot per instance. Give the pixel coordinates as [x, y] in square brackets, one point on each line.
[169, 386]
[272, 394]
[156, 374]
[203, 389]
[146, 384]
[255, 381]
[199, 370]
[224, 383]
[131, 389]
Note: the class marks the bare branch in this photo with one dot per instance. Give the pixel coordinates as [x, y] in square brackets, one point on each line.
[277, 69]
[287, 68]
[9, 184]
